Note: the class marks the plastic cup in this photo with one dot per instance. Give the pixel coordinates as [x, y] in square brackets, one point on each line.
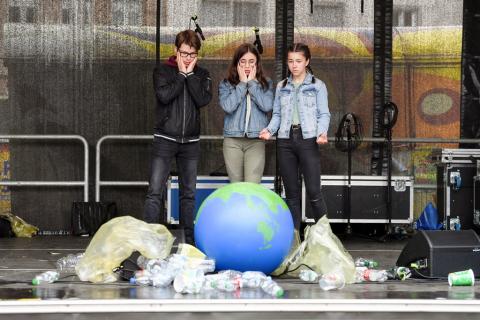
[461, 278]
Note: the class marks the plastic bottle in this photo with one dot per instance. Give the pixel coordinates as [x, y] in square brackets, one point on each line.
[221, 283]
[69, 262]
[362, 262]
[399, 273]
[272, 288]
[253, 279]
[308, 275]
[152, 265]
[141, 280]
[332, 280]
[371, 275]
[189, 281]
[46, 277]
[162, 279]
[207, 265]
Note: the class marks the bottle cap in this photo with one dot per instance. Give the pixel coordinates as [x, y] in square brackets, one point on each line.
[35, 282]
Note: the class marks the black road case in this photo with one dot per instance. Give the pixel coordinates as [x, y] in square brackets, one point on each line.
[368, 199]
[456, 169]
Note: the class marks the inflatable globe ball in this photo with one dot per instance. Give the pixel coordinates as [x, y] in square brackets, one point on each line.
[245, 227]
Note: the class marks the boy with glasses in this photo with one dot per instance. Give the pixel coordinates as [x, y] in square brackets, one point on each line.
[181, 89]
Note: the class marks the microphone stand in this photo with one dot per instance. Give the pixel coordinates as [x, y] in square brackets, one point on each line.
[348, 201]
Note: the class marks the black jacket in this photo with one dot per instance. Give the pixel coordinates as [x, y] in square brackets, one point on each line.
[179, 99]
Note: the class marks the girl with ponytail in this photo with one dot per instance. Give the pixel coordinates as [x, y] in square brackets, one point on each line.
[300, 119]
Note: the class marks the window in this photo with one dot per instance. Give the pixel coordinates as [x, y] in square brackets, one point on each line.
[246, 14]
[66, 16]
[76, 12]
[127, 12]
[405, 17]
[14, 14]
[23, 11]
[30, 15]
[221, 18]
[328, 15]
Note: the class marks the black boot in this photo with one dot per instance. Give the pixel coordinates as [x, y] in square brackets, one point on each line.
[319, 208]
[189, 237]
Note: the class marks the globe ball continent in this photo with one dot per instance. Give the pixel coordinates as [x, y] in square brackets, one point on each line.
[245, 227]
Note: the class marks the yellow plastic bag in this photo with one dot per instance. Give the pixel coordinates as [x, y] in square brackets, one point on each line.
[115, 241]
[322, 251]
[21, 228]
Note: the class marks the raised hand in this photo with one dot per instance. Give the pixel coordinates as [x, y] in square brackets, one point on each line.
[241, 74]
[181, 63]
[192, 65]
[253, 73]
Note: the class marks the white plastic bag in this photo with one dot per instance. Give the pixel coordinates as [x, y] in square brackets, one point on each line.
[115, 241]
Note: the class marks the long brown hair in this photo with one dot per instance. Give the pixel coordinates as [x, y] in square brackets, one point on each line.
[233, 77]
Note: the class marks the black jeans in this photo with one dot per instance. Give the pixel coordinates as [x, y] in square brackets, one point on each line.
[301, 156]
[186, 155]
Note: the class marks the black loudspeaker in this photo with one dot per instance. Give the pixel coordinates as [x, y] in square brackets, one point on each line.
[443, 251]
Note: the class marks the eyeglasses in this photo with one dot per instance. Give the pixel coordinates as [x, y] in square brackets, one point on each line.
[244, 63]
[184, 54]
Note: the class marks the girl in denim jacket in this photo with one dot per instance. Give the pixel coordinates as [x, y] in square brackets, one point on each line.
[300, 118]
[246, 96]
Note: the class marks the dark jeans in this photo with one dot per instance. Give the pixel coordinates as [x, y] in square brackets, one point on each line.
[186, 155]
[301, 156]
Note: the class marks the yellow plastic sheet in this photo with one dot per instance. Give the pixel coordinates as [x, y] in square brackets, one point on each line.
[322, 251]
[115, 241]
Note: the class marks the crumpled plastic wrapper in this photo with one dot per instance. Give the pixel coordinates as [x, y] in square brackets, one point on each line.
[20, 228]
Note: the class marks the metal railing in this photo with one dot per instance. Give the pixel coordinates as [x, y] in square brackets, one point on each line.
[83, 183]
[99, 183]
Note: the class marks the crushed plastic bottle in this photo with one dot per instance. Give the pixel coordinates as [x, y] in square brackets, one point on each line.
[272, 288]
[189, 281]
[253, 279]
[372, 275]
[221, 283]
[308, 275]
[399, 273]
[46, 277]
[362, 262]
[69, 262]
[152, 265]
[332, 280]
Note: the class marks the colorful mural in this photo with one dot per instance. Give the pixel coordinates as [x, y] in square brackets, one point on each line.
[5, 203]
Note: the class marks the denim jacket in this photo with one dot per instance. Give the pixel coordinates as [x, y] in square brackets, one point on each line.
[233, 100]
[312, 108]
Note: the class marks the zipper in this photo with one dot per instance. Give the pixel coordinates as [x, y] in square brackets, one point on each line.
[184, 104]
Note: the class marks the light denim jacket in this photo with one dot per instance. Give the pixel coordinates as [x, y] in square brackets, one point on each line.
[312, 108]
[233, 100]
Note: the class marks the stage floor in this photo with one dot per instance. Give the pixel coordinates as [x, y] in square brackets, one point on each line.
[22, 258]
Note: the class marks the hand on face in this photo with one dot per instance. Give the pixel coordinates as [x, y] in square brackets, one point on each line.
[265, 134]
[322, 139]
[253, 73]
[181, 63]
[241, 73]
[192, 65]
